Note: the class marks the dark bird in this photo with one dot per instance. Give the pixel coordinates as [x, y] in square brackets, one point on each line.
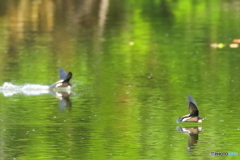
[193, 112]
[65, 78]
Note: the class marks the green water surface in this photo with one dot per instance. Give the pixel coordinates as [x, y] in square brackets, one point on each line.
[133, 65]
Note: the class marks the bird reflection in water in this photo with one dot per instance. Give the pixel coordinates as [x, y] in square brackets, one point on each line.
[193, 135]
[64, 100]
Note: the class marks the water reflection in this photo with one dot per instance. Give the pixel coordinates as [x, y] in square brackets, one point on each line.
[64, 100]
[193, 135]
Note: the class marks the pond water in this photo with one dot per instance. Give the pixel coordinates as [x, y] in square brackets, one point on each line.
[133, 65]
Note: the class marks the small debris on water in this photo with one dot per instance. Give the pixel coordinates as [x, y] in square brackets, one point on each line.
[233, 45]
[131, 43]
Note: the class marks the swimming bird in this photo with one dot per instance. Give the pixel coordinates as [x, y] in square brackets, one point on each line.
[65, 78]
[193, 112]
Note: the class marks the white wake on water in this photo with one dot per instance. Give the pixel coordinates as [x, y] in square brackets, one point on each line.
[9, 89]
